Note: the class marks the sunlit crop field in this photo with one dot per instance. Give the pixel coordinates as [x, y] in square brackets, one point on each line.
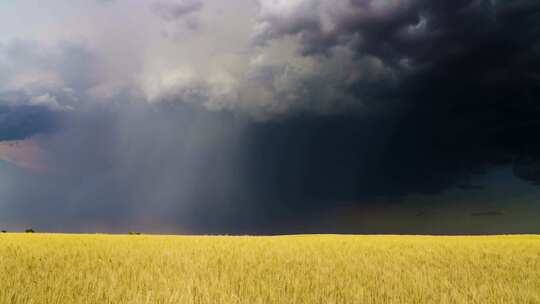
[47, 268]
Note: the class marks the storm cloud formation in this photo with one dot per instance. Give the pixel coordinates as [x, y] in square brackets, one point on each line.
[264, 125]
[24, 121]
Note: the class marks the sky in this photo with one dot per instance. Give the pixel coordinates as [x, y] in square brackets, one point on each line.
[270, 116]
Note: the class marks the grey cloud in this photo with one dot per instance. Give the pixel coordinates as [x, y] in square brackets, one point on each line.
[173, 166]
[328, 89]
[279, 18]
[384, 99]
[413, 30]
[78, 66]
[20, 122]
[40, 83]
[174, 10]
[454, 65]
[63, 73]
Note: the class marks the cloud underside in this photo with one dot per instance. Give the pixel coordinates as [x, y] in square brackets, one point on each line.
[321, 102]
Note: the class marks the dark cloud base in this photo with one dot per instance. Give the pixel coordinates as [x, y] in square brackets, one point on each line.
[463, 101]
[178, 168]
[20, 122]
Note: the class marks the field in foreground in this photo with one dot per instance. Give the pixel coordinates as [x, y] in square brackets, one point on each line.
[47, 268]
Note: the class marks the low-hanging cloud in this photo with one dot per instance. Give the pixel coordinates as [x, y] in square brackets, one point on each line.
[20, 122]
[255, 124]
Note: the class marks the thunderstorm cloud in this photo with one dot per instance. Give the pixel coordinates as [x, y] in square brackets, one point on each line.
[269, 116]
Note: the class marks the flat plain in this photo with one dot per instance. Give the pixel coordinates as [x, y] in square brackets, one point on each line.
[76, 268]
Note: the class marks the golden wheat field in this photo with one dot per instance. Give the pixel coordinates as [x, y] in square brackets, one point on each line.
[54, 268]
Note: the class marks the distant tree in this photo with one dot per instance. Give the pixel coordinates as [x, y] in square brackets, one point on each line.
[29, 230]
[4, 231]
[134, 233]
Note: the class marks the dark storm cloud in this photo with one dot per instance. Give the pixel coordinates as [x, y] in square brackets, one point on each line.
[446, 90]
[38, 85]
[418, 31]
[169, 167]
[467, 77]
[20, 122]
[464, 101]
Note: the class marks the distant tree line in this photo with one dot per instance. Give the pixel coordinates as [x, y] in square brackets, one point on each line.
[30, 230]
